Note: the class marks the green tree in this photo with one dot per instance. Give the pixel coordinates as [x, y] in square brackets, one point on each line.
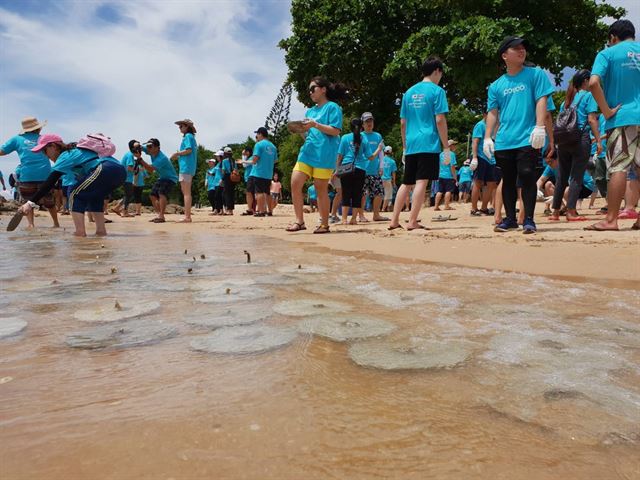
[377, 46]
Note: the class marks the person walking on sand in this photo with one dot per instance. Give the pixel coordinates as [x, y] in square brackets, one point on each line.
[265, 155]
[275, 191]
[35, 167]
[446, 179]
[373, 186]
[317, 157]
[209, 183]
[486, 175]
[167, 177]
[389, 169]
[187, 157]
[519, 100]
[465, 178]
[573, 158]
[615, 85]
[249, 181]
[97, 171]
[228, 166]
[355, 149]
[423, 126]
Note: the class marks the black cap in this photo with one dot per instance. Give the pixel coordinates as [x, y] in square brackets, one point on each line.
[262, 131]
[511, 41]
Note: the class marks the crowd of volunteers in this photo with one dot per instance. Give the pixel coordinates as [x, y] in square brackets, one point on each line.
[522, 152]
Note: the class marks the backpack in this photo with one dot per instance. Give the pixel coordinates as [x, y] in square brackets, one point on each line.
[565, 129]
[99, 143]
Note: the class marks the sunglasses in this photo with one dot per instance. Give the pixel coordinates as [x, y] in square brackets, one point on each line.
[312, 88]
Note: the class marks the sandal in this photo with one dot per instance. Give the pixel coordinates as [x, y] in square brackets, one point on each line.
[393, 227]
[157, 220]
[295, 227]
[322, 229]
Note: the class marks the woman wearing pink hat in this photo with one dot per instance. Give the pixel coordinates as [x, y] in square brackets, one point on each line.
[97, 171]
[34, 167]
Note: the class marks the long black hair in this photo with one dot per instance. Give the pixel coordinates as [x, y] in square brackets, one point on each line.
[576, 82]
[356, 128]
[335, 91]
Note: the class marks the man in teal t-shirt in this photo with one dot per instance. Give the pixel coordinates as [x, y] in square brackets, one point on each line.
[615, 85]
[519, 100]
[486, 174]
[167, 177]
[373, 186]
[265, 155]
[423, 127]
[447, 178]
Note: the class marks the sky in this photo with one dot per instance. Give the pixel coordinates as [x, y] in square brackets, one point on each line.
[129, 69]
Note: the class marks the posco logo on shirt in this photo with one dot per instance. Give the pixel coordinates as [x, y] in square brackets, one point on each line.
[519, 88]
[30, 143]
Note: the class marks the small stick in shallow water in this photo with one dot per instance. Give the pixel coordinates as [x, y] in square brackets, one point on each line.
[248, 256]
[114, 269]
[190, 270]
[202, 257]
[118, 306]
[185, 251]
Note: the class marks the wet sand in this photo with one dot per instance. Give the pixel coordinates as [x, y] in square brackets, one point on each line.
[550, 389]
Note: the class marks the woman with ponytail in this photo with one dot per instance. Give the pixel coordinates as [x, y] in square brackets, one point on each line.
[573, 159]
[354, 149]
[317, 156]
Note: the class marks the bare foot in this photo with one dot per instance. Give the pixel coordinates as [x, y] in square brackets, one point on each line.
[185, 220]
[79, 234]
[101, 233]
[437, 209]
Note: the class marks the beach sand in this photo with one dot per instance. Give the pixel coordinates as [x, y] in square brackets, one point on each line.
[559, 249]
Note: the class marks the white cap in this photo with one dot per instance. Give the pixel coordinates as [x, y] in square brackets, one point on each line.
[452, 142]
[388, 149]
[219, 153]
[227, 150]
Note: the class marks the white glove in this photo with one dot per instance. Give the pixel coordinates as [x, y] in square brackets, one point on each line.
[446, 156]
[474, 164]
[488, 148]
[537, 137]
[540, 196]
[402, 158]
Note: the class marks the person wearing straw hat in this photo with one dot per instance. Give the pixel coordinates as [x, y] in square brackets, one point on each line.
[34, 166]
[187, 157]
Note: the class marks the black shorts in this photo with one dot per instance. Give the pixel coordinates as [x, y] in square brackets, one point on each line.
[446, 185]
[486, 172]
[251, 185]
[262, 185]
[162, 187]
[421, 166]
[585, 192]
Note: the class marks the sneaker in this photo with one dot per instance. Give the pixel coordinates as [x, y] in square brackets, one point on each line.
[334, 219]
[476, 213]
[529, 226]
[506, 225]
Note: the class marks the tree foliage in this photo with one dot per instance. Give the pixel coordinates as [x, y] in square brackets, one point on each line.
[377, 46]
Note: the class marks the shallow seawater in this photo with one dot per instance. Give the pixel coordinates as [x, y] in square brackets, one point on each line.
[471, 374]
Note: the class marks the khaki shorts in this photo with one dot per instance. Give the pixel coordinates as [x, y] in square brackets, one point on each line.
[623, 149]
[29, 189]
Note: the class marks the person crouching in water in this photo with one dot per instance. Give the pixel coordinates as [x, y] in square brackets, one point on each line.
[97, 176]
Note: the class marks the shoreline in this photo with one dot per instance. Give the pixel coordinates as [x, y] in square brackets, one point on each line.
[559, 250]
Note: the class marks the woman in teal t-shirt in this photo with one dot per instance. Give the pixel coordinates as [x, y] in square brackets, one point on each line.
[317, 157]
[573, 159]
[187, 157]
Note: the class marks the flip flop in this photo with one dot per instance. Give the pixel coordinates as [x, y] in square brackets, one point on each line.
[419, 227]
[382, 219]
[596, 228]
[577, 219]
[296, 227]
[15, 221]
[391, 227]
[440, 218]
[158, 220]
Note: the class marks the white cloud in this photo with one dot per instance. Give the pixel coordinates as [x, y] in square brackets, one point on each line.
[180, 59]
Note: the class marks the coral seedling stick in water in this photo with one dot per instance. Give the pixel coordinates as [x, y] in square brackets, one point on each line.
[248, 256]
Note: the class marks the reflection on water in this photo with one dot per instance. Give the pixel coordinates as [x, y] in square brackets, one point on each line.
[366, 368]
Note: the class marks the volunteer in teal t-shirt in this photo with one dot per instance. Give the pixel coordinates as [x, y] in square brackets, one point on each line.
[187, 157]
[167, 177]
[519, 99]
[423, 127]
[615, 85]
[389, 169]
[317, 157]
[265, 155]
[573, 159]
[447, 178]
[373, 187]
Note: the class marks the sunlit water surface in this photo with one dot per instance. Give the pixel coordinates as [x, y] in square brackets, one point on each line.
[471, 373]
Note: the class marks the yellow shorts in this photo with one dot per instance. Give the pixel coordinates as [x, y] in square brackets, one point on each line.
[319, 173]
